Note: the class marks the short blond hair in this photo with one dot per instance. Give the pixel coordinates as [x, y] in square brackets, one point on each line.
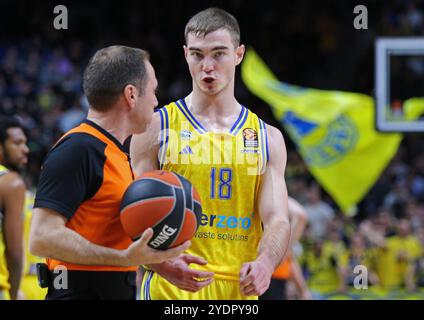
[210, 20]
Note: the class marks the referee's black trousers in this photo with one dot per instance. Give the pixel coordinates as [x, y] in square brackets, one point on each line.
[92, 285]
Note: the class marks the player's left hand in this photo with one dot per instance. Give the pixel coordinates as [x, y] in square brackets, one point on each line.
[255, 278]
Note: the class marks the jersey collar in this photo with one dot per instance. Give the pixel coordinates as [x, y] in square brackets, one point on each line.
[238, 124]
[106, 133]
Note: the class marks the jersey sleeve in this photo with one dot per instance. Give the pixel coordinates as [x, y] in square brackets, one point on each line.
[71, 174]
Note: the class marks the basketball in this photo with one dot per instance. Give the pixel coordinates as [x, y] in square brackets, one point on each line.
[164, 201]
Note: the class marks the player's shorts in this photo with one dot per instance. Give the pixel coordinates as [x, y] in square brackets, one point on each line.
[155, 287]
[4, 294]
[30, 288]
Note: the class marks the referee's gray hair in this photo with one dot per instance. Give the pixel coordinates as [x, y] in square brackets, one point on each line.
[108, 72]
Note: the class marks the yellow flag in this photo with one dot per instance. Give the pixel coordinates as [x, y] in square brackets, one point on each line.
[334, 132]
[413, 108]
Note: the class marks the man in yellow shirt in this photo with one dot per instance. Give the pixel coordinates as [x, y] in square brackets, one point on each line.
[396, 256]
[289, 269]
[234, 160]
[13, 158]
[327, 264]
[29, 289]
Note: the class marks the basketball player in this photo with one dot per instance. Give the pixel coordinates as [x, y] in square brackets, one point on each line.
[29, 289]
[289, 269]
[234, 160]
[76, 221]
[13, 158]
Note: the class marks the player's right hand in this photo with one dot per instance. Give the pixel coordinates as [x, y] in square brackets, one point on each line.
[139, 252]
[180, 275]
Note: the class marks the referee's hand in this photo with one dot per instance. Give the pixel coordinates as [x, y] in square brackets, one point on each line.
[139, 253]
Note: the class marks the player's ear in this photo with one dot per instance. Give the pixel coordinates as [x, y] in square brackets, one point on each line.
[240, 54]
[185, 51]
[130, 95]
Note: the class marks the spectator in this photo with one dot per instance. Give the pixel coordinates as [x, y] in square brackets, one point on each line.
[396, 256]
[319, 212]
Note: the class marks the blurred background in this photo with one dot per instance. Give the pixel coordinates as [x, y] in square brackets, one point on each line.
[306, 43]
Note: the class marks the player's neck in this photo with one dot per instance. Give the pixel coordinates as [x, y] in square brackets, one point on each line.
[222, 105]
[111, 122]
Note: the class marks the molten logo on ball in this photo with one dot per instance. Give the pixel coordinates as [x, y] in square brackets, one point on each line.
[165, 234]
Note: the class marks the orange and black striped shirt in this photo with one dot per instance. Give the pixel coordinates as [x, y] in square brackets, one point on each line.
[84, 178]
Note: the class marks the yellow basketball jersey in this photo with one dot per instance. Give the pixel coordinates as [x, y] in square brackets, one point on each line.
[30, 260]
[226, 169]
[4, 273]
[29, 284]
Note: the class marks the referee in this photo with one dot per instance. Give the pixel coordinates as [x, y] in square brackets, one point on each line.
[76, 221]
